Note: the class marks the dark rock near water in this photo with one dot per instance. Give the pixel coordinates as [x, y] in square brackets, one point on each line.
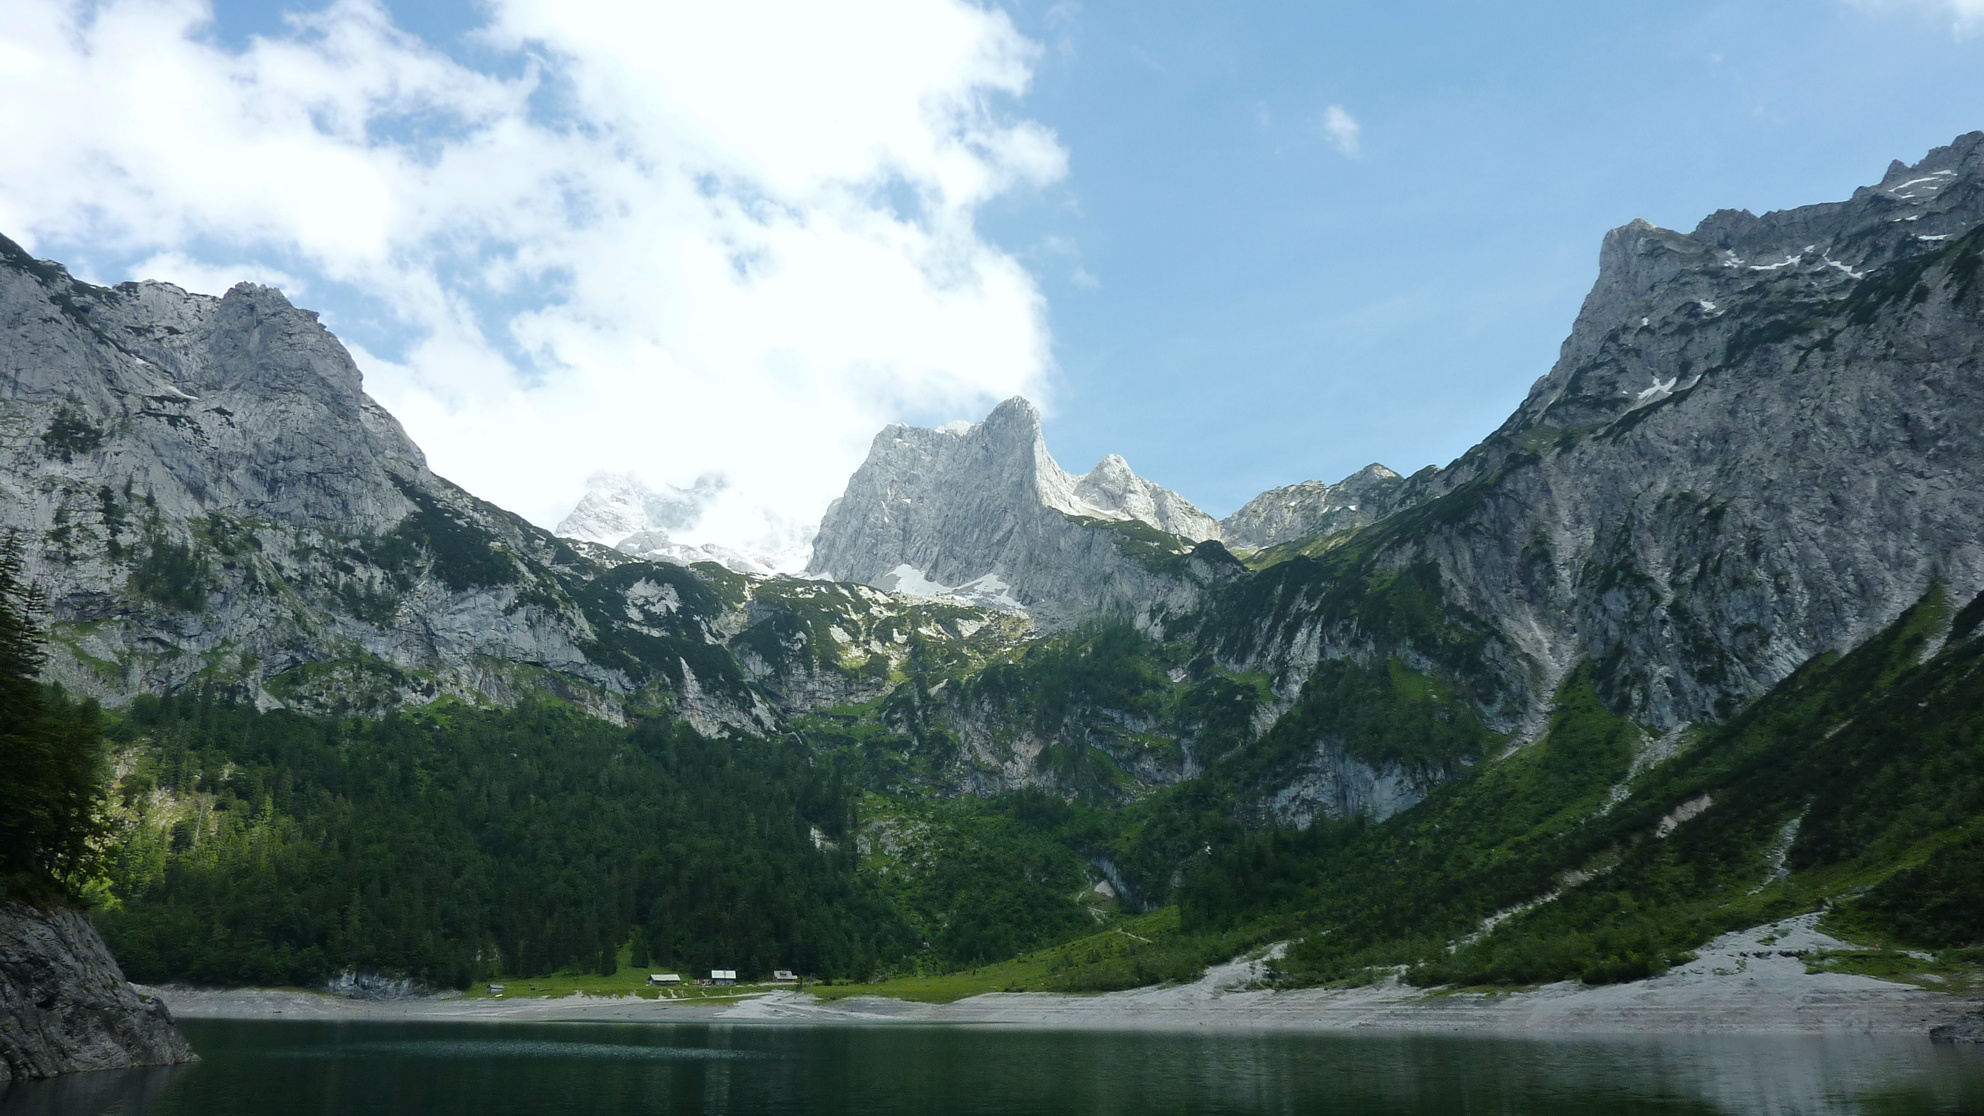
[65, 1006]
[1968, 1029]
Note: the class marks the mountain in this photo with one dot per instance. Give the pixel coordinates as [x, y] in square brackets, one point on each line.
[982, 512]
[617, 505]
[1313, 509]
[620, 511]
[209, 498]
[1756, 447]
[1691, 642]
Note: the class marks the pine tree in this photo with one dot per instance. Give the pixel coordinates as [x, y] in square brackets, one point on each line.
[51, 756]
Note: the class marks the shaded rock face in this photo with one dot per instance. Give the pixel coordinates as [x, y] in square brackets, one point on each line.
[1761, 442]
[65, 1006]
[1970, 1028]
[983, 512]
[1311, 508]
[1331, 784]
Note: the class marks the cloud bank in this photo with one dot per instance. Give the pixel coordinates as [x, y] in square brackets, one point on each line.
[668, 239]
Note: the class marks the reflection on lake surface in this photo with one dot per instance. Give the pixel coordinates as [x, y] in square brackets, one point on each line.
[499, 1069]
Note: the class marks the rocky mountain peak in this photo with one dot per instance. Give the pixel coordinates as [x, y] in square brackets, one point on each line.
[239, 405]
[945, 511]
[1312, 508]
[1662, 296]
[617, 505]
[1112, 489]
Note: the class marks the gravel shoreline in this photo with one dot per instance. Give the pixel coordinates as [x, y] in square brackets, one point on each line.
[1749, 982]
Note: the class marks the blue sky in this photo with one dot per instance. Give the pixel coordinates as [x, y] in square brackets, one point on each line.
[1242, 245]
[1269, 310]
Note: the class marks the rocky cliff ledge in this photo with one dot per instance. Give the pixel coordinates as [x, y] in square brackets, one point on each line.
[65, 1006]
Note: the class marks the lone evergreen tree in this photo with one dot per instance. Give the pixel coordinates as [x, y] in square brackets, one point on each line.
[51, 756]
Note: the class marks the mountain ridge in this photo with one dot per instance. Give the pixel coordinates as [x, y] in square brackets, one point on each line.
[1693, 637]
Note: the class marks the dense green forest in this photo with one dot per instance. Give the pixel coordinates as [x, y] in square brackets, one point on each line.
[450, 843]
[453, 843]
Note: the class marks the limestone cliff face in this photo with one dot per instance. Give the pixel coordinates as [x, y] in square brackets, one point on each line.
[65, 1006]
[1311, 508]
[982, 512]
[209, 494]
[1761, 442]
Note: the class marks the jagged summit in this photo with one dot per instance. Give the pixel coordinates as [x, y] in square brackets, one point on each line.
[1653, 325]
[1298, 511]
[617, 505]
[232, 405]
[1112, 491]
[969, 509]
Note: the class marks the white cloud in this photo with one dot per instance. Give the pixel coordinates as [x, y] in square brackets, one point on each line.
[197, 275]
[1341, 129]
[742, 234]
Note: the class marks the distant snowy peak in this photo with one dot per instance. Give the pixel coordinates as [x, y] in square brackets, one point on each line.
[620, 511]
[617, 505]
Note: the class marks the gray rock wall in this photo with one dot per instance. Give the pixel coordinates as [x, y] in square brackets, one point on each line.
[209, 495]
[1312, 508]
[1761, 442]
[65, 1006]
[985, 512]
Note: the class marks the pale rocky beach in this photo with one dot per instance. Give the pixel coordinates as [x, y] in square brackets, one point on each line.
[1748, 982]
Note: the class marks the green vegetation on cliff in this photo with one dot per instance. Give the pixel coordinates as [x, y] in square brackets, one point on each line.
[1856, 782]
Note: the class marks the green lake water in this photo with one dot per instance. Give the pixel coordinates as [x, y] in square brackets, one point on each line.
[444, 1069]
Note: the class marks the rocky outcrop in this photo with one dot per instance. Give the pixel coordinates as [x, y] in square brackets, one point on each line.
[65, 1006]
[1312, 508]
[1331, 784]
[1970, 1028]
[1757, 445]
[982, 512]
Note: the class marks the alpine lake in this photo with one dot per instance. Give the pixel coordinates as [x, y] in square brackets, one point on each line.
[499, 1069]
